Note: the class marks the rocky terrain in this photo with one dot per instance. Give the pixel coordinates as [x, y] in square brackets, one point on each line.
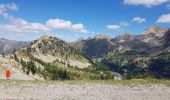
[16, 70]
[51, 49]
[85, 91]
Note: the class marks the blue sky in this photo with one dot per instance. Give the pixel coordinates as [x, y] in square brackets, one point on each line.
[73, 19]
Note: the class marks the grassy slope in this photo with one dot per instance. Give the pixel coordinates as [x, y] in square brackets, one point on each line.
[122, 82]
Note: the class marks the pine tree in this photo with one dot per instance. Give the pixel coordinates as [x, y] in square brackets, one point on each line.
[15, 57]
[24, 64]
[32, 67]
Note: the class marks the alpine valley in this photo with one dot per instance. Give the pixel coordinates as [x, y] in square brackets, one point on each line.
[126, 56]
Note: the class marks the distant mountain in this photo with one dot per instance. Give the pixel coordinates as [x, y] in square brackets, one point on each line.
[125, 37]
[7, 46]
[128, 53]
[160, 64]
[157, 31]
[151, 40]
[95, 48]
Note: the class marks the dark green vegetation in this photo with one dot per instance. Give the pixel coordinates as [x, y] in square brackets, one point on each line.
[53, 72]
[162, 60]
[29, 67]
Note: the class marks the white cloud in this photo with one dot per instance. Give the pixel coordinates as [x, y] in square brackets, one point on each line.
[14, 29]
[36, 27]
[12, 6]
[113, 27]
[139, 20]
[164, 19]
[124, 23]
[66, 25]
[79, 27]
[2, 9]
[18, 25]
[147, 3]
[5, 7]
[13, 20]
[117, 27]
[58, 24]
[19, 22]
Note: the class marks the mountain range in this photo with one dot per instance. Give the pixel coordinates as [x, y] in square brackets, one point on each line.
[7, 46]
[128, 53]
[133, 56]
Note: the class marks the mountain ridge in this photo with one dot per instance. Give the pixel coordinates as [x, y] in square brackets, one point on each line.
[134, 52]
[126, 54]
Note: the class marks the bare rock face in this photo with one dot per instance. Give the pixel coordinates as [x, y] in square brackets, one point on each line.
[101, 36]
[151, 40]
[157, 31]
[153, 36]
[125, 37]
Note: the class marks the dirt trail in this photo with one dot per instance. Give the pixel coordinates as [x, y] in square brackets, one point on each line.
[88, 91]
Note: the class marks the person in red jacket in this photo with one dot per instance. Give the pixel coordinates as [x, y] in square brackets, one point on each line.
[8, 73]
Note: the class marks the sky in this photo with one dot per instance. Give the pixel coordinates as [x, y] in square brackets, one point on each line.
[27, 20]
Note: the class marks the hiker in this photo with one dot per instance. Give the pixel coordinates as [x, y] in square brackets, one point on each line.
[8, 74]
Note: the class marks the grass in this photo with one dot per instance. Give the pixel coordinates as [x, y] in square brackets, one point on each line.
[124, 82]
[112, 82]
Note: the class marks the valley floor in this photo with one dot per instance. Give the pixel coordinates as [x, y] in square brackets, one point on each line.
[82, 91]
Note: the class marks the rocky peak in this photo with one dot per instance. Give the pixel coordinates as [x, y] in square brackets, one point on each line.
[124, 37]
[126, 34]
[101, 36]
[155, 30]
[47, 37]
